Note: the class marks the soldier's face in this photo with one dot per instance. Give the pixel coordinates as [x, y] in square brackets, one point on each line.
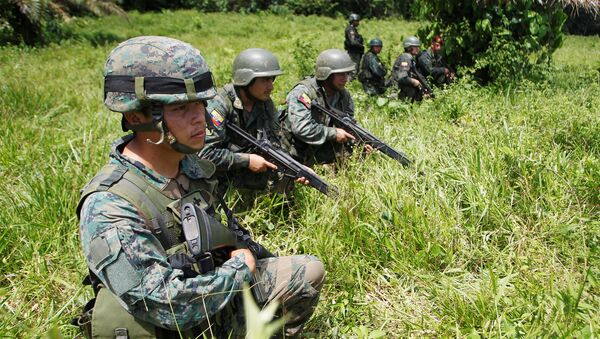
[261, 88]
[355, 23]
[376, 49]
[187, 123]
[414, 50]
[436, 47]
[339, 80]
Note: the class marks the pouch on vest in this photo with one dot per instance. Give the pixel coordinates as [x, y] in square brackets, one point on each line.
[111, 320]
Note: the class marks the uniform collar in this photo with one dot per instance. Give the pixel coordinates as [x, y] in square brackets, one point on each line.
[191, 166]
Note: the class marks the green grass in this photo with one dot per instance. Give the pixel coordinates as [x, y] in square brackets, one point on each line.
[493, 232]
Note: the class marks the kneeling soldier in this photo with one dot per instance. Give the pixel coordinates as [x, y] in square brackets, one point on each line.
[246, 103]
[161, 262]
[310, 135]
[372, 71]
[405, 75]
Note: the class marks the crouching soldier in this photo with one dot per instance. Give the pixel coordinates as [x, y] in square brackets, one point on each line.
[431, 63]
[311, 136]
[247, 103]
[372, 71]
[161, 262]
[411, 83]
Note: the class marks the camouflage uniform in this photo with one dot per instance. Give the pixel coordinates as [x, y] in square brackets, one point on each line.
[226, 150]
[131, 230]
[372, 74]
[405, 68]
[310, 134]
[142, 277]
[431, 64]
[354, 45]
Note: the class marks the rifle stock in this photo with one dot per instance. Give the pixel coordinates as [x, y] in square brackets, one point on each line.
[284, 162]
[350, 125]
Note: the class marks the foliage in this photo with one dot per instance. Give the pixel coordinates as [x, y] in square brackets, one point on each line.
[500, 40]
[493, 232]
[38, 22]
[369, 9]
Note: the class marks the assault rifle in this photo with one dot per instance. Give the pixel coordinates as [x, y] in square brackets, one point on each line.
[347, 123]
[284, 162]
[425, 88]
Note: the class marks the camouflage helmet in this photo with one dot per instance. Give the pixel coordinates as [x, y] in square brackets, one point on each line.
[254, 63]
[353, 17]
[375, 42]
[333, 61]
[412, 41]
[155, 69]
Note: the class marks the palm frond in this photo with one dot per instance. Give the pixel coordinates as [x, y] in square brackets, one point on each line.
[32, 9]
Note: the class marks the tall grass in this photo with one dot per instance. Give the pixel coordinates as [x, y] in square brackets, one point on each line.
[493, 232]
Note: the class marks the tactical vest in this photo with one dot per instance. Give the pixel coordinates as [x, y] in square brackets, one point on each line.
[297, 148]
[104, 316]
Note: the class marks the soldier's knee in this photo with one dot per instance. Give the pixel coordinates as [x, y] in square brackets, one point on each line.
[314, 272]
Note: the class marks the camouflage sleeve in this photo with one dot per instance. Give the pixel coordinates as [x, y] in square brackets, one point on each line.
[376, 67]
[131, 262]
[401, 69]
[303, 125]
[216, 144]
[426, 65]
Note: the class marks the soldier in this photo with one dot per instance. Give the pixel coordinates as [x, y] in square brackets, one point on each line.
[153, 276]
[247, 103]
[311, 138]
[372, 72]
[430, 63]
[353, 42]
[405, 75]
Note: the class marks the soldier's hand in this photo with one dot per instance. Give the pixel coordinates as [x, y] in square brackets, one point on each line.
[248, 258]
[415, 82]
[303, 180]
[342, 136]
[258, 164]
[369, 149]
[446, 72]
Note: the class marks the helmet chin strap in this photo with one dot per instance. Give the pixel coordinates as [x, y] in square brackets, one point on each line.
[167, 137]
[158, 124]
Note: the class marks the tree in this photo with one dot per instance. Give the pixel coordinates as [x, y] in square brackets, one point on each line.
[500, 40]
[35, 22]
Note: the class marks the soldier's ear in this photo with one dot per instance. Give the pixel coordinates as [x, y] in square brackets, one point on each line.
[136, 118]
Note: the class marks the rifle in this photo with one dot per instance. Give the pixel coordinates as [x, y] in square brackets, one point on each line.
[350, 125]
[284, 162]
[242, 234]
[425, 88]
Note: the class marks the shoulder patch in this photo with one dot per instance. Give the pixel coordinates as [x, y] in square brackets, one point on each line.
[305, 100]
[217, 118]
[404, 63]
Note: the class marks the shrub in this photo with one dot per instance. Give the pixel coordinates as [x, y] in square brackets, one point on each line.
[500, 40]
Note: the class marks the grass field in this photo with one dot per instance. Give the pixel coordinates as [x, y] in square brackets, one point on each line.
[494, 231]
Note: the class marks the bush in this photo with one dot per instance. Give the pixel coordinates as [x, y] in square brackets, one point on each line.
[500, 40]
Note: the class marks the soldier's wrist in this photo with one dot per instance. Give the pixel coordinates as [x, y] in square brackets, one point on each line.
[241, 160]
[331, 132]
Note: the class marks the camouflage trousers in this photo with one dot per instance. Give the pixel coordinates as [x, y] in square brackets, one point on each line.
[294, 282]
